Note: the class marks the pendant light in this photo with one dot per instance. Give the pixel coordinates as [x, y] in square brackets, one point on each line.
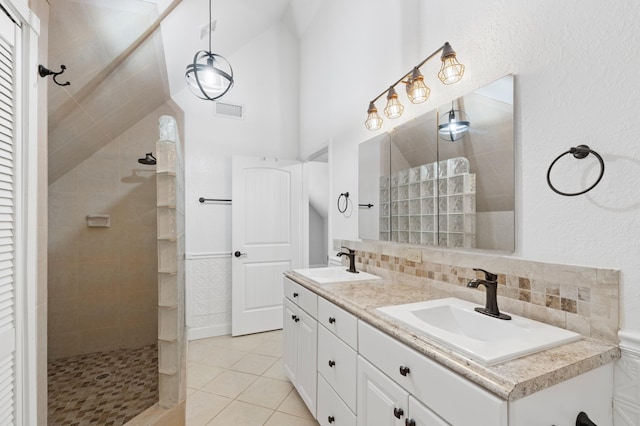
[210, 76]
[454, 125]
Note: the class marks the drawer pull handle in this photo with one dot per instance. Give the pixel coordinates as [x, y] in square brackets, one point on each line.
[398, 412]
[404, 370]
[410, 422]
[332, 320]
[331, 419]
[331, 363]
[295, 294]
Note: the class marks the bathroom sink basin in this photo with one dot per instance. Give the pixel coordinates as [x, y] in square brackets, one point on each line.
[334, 274]
[455, 323]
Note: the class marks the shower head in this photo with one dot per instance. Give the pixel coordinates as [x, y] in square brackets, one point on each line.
[149, 159]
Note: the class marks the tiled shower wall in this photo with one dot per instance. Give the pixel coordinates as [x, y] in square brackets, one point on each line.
[102, 282]
[581, 299]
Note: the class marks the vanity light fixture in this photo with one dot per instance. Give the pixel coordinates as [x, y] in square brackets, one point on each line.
[450, 72]
[394, 108]
[374, 121]
[417, 91]
[210, 76]
[454, 124]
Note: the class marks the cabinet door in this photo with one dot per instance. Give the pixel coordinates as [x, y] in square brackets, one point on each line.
[307, 374]
[337, 363]
[290, 340]
[419, 415]
[332, 411]
[381, 402]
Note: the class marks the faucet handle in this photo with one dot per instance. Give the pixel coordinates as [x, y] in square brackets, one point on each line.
[351, 251]
[488, 275]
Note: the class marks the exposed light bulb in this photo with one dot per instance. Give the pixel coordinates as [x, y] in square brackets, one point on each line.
[373, 121]
[394, 108]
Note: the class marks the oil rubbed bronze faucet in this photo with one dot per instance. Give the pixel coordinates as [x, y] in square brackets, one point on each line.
[491, 284]
[351, 254]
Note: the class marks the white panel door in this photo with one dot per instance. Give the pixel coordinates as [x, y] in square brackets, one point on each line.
[381, 402]
[266, 239]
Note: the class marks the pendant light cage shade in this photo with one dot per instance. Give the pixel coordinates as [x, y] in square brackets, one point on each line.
[210, 76]
[394, 108]
[451, 70]
[373, 121]
[417, 91]
[454, 125]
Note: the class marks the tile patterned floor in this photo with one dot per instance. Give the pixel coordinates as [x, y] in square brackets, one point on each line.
[240, 381]
[104, 388]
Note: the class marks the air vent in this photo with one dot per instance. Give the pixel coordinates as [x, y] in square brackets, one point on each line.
[229, 110]
[204, 31]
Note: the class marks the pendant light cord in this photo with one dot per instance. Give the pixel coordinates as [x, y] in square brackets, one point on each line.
[210, 26]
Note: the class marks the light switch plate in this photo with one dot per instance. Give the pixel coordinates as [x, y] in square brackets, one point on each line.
[414, 255]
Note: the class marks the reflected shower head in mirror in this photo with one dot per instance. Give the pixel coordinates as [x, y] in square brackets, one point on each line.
[149, 159]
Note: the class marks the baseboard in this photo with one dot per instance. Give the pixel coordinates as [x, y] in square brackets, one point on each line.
[198, 256]
[210, 331]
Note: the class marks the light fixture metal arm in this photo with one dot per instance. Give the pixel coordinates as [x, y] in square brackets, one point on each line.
[440, 49]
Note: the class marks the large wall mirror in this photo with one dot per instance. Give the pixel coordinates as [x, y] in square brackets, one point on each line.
[446, 178]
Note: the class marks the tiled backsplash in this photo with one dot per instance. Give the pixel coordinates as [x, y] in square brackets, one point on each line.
[581, 299]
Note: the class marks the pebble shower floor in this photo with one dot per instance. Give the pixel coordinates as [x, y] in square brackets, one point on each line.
[103, 388]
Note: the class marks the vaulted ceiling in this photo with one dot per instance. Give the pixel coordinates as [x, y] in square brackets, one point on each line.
[121, 69]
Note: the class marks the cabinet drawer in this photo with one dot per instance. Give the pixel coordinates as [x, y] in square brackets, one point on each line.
[337, 363]
[431, 383]
[332, 411]
[302, 297]
[338, 321]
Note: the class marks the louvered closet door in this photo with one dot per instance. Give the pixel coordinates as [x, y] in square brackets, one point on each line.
[7, 293]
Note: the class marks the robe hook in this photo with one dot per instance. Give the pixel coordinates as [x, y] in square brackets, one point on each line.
[44, 72]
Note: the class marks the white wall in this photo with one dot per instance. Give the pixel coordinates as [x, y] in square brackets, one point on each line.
[576, 65]
[266, 76]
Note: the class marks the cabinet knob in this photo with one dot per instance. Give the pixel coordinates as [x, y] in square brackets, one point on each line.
[332, 320]
[331, 363]
[398, 412]
[295, 318]
[410, 422]
[404, 370]
[295, 294]
[331, 419]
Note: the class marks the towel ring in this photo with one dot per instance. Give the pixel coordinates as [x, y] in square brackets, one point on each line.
[579, 152]
[346, 202]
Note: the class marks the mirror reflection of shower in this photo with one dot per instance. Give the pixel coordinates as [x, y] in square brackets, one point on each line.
[149, 159]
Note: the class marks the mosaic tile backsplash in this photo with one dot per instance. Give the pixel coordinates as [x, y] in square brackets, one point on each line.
[581, 299]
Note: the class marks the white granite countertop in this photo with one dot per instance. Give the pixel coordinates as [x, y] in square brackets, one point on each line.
[510, 380]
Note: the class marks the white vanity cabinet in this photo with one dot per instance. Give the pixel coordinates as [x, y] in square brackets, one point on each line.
[337, 365]
[382, 402]
[300, 330]
[435, 386]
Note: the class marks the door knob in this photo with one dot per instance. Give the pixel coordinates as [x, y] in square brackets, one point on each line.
[237, 253]
[332, 320]
[331, 419]
[404, 370]
[331, 363]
